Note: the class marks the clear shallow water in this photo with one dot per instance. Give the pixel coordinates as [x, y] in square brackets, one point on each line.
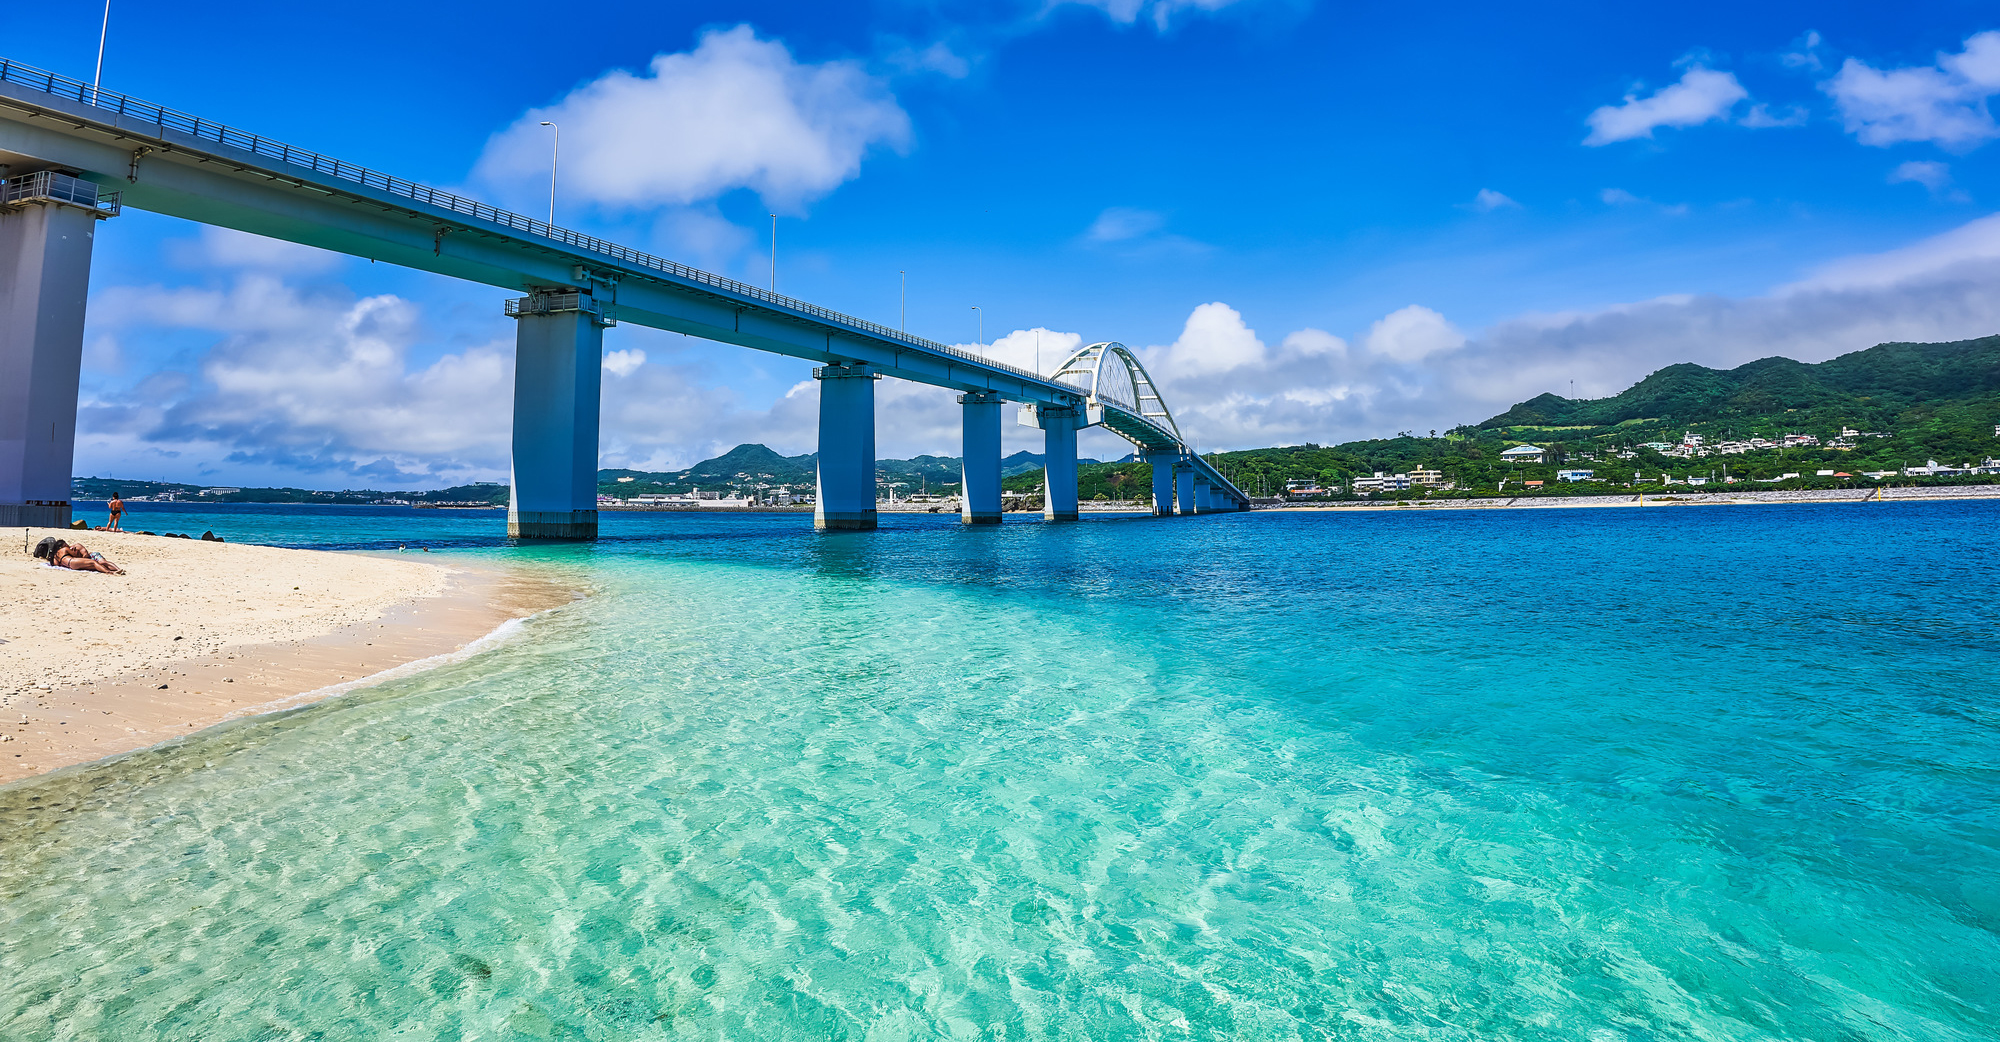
[1676, 774]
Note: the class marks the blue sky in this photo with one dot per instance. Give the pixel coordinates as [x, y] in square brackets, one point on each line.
[1318, 221]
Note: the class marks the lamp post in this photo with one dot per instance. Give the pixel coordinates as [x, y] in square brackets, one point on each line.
[555, 157]
[903, 321]
[774, 253]
[982, 329]
[102, 32]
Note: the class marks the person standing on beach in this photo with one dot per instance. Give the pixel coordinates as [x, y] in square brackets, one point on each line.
[117, 507]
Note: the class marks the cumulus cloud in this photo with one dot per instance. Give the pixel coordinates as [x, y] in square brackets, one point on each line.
[1412, 334]
[1945, 103]
[1413, 370]
[308, 385]
[736, 112]
[1702, 95]
[623, 363]
[1489, 200]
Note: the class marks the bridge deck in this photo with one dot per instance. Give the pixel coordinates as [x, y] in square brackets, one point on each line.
[181, 165]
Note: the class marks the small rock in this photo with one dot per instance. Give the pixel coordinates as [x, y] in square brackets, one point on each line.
[162, 687]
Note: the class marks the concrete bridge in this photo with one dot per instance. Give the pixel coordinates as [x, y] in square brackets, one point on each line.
[72, 155]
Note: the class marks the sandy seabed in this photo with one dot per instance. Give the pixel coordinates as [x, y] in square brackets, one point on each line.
[196, 633]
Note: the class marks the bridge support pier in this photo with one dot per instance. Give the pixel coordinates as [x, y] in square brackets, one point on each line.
[1184, 488]
[45, 240]
[846, 490]
[1204, 496]
[979, 487]
[1163, 484]
[558, 373]
[1059, 426]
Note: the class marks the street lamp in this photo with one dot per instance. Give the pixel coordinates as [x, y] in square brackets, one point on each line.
[903, 323]
[102, 32]
[555, 157]
[982, 329]
[774, 253]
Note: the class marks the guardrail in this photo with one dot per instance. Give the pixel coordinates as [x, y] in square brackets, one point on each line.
[194, 126]
[52, 186]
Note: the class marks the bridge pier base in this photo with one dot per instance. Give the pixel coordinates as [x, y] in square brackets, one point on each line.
[846, 491]
[1163, 484]
[44, 279]
[558, 373]
[979, 488]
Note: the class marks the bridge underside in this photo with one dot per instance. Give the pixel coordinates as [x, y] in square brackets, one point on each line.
[215, 176]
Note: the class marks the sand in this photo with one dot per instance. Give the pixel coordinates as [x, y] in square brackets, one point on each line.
[198, 633]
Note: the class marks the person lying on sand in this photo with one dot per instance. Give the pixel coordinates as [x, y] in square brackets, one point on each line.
[75, 556]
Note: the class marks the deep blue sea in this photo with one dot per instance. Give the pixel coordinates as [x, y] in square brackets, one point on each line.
[1601, 775]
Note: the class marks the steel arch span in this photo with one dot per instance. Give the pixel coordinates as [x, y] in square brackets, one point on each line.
[1122, 397]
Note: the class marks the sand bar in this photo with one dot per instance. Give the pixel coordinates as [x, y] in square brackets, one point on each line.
[197, 633]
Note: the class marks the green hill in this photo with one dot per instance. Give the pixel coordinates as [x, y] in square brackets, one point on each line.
[1871, 389]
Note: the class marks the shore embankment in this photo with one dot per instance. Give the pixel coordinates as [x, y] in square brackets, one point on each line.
[1746, 497]
[197, 633]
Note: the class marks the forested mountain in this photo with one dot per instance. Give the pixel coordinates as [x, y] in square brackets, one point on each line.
[1870, 389]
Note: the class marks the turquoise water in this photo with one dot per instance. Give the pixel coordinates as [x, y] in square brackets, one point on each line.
[1600, 775]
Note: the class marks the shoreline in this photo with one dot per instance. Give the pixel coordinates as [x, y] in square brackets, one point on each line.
[1746, 497]
[136, 689]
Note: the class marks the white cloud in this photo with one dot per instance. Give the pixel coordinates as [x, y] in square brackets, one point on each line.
[221, 247]
[303, 385]
[938, 57]
[621, 363]
[1944, 103]
[1489, 200]
[1159, 12]
[1934, 176]
[1804, 57]
[1412, 334]
[1122, 224]
[736, 112]
[1701, 95]
[1760, 116]
[1939, 259]
[1037, 349]
[1621, 197]
[1415, 371]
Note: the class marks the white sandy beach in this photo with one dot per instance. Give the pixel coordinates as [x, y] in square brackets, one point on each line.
[199, 632]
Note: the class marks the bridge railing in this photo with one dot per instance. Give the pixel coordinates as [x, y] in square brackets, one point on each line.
[166, 118]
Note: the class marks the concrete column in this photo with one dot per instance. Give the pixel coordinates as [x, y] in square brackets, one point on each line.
[44, 278]
[1059, 464]
[1204, 499]
[558, 372]
[980, 473]
[846, 499]
[1163, 484]
[1184, 488]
